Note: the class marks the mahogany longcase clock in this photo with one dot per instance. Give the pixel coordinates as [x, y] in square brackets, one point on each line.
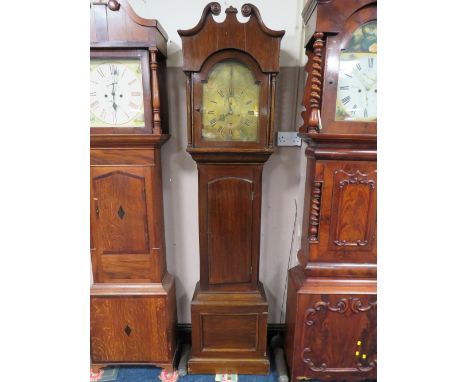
[331, 306]
[231, 70]
[133, 308]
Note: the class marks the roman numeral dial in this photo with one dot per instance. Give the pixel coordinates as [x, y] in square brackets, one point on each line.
[230, 100]
[356, 95]
[116, 93]
[356, 98]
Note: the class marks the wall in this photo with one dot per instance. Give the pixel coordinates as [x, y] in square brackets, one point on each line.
[282, 177]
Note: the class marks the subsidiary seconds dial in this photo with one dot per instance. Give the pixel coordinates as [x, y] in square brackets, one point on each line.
[116, 93]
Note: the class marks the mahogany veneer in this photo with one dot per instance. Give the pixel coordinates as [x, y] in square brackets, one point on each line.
[331, 314]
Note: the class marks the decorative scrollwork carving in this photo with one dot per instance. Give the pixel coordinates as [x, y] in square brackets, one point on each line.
[353, 303]
[309, 362]
[246, 10]
[113, 5]
[324, 368]
[369, 367]
[357, 243]
[316, 82]
[343, 305]
[315, 211]
[356, 180]
[215, 8]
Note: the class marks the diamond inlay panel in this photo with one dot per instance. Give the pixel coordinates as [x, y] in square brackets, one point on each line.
[121, 212]
[127, 330]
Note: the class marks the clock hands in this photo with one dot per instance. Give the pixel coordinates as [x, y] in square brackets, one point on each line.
[363, 81]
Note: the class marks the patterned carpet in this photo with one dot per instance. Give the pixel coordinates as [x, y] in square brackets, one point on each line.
[151, 374]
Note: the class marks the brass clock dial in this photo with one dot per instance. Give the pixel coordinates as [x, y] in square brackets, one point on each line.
[230, 104]
[357, 82]
[116, 93]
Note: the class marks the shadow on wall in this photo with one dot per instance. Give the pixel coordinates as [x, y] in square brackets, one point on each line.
[180, 186]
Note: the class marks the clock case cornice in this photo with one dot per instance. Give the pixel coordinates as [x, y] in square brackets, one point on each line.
[328, 27]
[107, 33]
[229, 34]
[329, 16]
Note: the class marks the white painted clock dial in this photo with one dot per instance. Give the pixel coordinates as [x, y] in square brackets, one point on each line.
[357, 87]
[116, 93]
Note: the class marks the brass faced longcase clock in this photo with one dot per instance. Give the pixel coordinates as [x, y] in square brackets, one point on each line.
[231, 70]
[332, 304]
[133, 310]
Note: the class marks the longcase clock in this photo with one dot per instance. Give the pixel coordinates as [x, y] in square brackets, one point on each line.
[332, 306]
[231, 70]
[133, 308]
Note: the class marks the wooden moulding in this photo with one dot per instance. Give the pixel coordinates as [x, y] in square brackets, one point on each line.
[107, 18]
[128, 289]
[229, 155]
[128, 140]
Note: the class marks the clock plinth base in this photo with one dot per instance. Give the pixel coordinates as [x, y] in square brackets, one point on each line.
[133, 324]
[229, 332]
[331, 328]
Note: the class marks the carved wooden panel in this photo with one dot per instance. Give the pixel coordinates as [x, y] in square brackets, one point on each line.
[339, 335]
[347, 206]
[229, 218]
[123, 234]
[353, 208]
[127, 329]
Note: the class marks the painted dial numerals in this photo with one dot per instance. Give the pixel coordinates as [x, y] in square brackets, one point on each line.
[230, 104]
[356, 98]
[116, 93]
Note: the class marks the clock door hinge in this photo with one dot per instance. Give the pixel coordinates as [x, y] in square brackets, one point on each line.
[252, 195]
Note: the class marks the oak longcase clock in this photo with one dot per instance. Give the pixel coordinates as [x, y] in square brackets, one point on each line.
[231, 70]
[332, 306]
[133, 309]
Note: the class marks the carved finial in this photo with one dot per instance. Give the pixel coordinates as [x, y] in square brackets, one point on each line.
[246, 10]
[215, 8]
[113, 5]
[231, 9]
